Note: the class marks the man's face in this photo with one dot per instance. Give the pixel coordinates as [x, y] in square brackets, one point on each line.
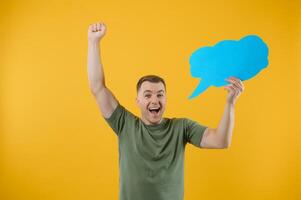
[151, 99]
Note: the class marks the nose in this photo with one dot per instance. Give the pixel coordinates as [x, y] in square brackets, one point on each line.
[154, 100]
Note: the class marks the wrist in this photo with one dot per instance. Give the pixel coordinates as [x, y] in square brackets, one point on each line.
[93, 41]
[230, 104]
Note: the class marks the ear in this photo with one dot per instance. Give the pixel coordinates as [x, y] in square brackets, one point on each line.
[137, 101]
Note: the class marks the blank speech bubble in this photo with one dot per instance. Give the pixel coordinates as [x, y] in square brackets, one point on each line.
[242, 59]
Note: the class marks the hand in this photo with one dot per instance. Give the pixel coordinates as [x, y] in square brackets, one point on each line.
[235, 88]
[96, 32]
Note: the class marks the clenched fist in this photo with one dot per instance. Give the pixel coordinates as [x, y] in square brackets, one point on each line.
[96, 32]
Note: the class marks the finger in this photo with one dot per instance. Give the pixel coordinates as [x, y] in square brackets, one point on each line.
[236, 83]
[103, 27]
[232, 89]
[237, 89]
[94, 27]
[238, 86]
[98, 27]
[226, 88]
[229, 88]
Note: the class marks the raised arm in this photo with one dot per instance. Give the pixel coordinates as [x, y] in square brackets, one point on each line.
[221, 137]
[105, 99]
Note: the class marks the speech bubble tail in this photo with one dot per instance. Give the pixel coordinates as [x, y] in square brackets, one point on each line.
[200, 89]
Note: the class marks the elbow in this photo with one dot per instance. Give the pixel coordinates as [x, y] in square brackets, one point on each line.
[223, 142]
[225, 146]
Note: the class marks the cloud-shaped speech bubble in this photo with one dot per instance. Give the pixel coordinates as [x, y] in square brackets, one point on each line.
[242, 59]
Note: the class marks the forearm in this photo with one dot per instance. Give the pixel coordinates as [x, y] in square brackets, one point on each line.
[95, 68]
[225, 127]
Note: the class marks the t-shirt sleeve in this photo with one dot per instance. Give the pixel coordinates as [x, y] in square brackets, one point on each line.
[194, 132]
[118, 119]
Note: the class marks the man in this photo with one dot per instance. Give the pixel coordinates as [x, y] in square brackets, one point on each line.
[151, 148]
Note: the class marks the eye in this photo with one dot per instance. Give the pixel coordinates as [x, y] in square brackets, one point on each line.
[160, 95]
[147, 95]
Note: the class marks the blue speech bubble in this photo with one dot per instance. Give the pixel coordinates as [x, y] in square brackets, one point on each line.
[242, 59]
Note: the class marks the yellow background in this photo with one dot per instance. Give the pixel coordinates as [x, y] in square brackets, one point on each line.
[54, 144]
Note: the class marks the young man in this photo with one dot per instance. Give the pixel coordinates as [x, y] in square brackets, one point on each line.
[151, 148]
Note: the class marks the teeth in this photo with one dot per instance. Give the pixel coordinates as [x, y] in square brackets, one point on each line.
[155, 110]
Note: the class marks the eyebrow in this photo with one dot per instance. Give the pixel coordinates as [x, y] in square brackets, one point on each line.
[151, 91]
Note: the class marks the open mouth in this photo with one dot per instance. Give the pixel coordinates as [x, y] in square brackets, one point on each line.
[154, 110]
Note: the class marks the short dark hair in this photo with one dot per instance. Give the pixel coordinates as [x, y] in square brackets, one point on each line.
[150, 78]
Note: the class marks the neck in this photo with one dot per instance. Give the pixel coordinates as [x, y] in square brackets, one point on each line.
[148, 123]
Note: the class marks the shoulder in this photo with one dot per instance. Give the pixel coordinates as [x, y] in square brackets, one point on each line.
[121, 112]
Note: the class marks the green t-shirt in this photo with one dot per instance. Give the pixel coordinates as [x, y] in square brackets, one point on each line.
[151, 157]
